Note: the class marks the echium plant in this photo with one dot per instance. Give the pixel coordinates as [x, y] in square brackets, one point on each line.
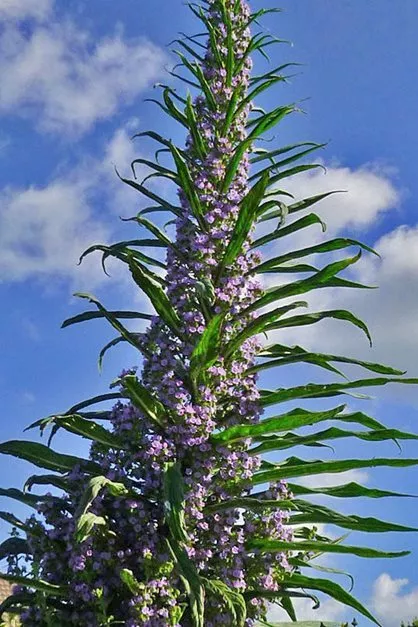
[175, 518]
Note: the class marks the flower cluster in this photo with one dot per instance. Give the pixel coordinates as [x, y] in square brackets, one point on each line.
[123, 569]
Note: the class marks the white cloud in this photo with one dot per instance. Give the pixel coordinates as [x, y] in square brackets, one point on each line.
[24, 9]
[43, 231]
[368, 192]
[390, 310]
[391, 602]
[67, 81]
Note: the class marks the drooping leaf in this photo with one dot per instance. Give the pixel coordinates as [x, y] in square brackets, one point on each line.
[32, 500]
[15, 603]
[293, 419]
[313, 439]
[332, 589]
[347, 490]
[130, 581]
[273, 546]
[56, 480]
[13, 520]
[294, 354]
[93, 315]
[94, 487]
[36, 584]
[14, 546]
[314, 513]
[44, 457]
[259, 325]
[295, 467]
[283, 231]
[157, 296]
[315, 317]
[317, 390]
[319, 280]
[144, 400]
[90, 430]
[325, 247]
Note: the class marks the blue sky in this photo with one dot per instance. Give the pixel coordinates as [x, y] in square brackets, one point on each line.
[74, 76]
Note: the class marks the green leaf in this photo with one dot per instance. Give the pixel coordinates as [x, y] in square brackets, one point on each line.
[325, 247]
[160, 170]
[312, 200]
[259, 325]
[157, 296]
[85, 525]
[130, 581]
[188, 186]
[330, 588]
[192, 582]
[129, 337]
[244, 223]
[12, 520]
[287, 605]
[195, 133]
[233, 600]
[263, 124]
[116, 340]
[121, 249]
[92, 401]
[14, 546]
[294, 354]
[206, 351]
[313, 439]
[59, 482]
[173, 490]
[15, 603]
[317, 390]
[277, 546]
[146, 192]
[275, 165]
[314, 513]
[315, 317]
[347, 490]
[93, 489]
[319, 280]
[36, 584]
[90, 430]
[295, 226]
[93, 315]
[44, 457]
[264, 154]
[296, 418]
[144, 400]
[31, 500]
[295, 467]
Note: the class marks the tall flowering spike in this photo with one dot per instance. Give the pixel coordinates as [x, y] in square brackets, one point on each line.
[163, 524]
